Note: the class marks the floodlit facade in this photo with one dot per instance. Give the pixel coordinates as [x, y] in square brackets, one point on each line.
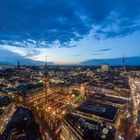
[33, 97]
[135, 94]
[5, 115]
[104, 68]
[74, 127]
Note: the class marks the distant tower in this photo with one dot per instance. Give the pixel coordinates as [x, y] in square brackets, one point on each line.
[46, 79]
[18, 65]
[123, 62]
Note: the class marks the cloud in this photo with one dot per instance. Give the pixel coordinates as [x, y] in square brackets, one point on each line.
[101, 51]
[104, 50]
[8, 57]
[29, 52]
[40, 23]
[32, 53]
[98, 53]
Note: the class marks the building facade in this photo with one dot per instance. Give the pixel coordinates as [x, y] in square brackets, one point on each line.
[6, 112]
[135, 95]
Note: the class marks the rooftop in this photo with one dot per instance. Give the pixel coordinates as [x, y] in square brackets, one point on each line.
[90, 129]
[26, 88]
[103, 97]
[4, 100]
[104, 111]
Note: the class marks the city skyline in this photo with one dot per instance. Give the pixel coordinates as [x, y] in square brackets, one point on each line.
[69, 32]
[69, 70]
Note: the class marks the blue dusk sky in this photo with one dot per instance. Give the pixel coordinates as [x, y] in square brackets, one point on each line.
[70, 31]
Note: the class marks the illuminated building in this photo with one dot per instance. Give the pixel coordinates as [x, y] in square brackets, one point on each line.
[21, 125]
[135, 94]
[7, 110]
[75, 127]
[79, 90]
[104, 68]
[99, 111]
[104, 98]
[92, 120]
[31, 95]
[82, 90]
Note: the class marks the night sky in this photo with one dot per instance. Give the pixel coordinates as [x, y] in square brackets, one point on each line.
[70, 31]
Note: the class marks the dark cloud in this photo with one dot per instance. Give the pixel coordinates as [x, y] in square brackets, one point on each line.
[65, 20]
[104, 50]
[10, 58]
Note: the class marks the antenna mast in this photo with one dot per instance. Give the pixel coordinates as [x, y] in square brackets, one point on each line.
[123, 62]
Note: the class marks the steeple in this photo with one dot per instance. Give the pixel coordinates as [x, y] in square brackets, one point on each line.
[123, 62]
[46, 81]
[18, 66]
[45, 68]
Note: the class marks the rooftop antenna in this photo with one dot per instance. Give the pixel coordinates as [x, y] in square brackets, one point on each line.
[46, 63]
[18, 66]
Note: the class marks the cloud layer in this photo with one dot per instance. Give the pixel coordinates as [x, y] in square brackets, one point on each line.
[44, 23]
